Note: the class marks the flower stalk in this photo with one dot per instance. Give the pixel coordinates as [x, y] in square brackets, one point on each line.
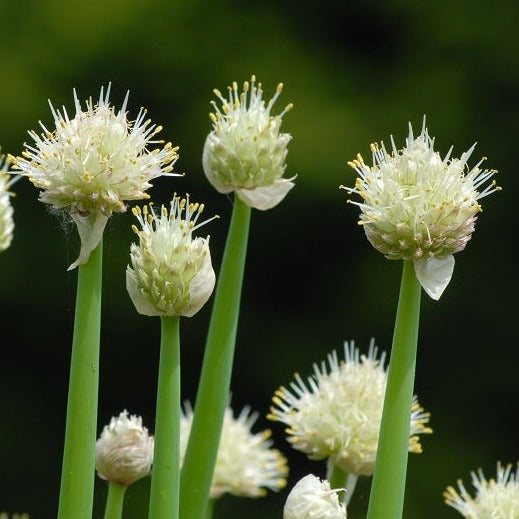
[115, 501]
[388, 486]
[78, 469]
[213, 391]
[338, 478]
[164, 493]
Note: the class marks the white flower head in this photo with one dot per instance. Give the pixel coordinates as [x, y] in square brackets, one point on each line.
[245, 152]
[246, 463]
[171, 272]
[495, 499]
[6, 209]
[419, 207]
[124, 451]
[336, 414]
[95, 162]
[312, 498]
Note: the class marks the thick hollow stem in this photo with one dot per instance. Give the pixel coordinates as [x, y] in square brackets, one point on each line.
[164, 493]
[78, 469]
[114, 501]
[388, 486]
[213, 390]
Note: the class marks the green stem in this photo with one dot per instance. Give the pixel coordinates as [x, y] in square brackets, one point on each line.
[114, 501]
[388, 486]
[209, 510]
[338, 478]
[164, 492]
[78, 469]
[215, 379]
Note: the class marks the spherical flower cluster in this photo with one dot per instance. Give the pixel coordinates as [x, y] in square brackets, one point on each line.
[312, 498]
[95, 162]
[245, 152]
[495, 499]
[124, 451]
[6, 209]
[337, 413]
[419, 207]
[246, 465]
[171, 272]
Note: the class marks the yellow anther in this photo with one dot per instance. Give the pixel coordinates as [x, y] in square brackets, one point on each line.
[359, 158]
[279, 88]
[235, 86]
[158, 129]
[289, 106]
[351, 164]
[245, 86]
[135, 229]
[201, 208]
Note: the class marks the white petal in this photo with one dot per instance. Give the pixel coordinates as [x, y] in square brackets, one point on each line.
[90, 230]
[266, 197]
[211, 175]
[141, 302]
[434, 274]
[201, 286]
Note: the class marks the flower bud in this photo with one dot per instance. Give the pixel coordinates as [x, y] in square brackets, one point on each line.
[171, 272]
[495, 498]
[311, 498]
[245, 152]
[348, 439]
[124, 451]
[246, 464]
[93, 163]
[419, 207]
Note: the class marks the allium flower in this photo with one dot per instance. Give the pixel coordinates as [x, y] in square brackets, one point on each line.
[246, 465]
[94, 163]
[419, 207]
[171, 272]
[245, 152]
[124, 451]
[312, 498]
[495, 499]
[6, 209]
[337, 414]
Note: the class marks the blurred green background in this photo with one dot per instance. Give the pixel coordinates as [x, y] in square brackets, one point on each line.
[356, 72]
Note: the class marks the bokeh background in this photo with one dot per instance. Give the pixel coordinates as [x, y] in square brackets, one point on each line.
[356, 72]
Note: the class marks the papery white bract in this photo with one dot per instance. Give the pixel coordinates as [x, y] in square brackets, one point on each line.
[124, 451]
[246, 463]
[171, 272]
[245, 152]
[312, 498]
[93, 163]
[495, 499]
[419, 207]
[336, 414]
